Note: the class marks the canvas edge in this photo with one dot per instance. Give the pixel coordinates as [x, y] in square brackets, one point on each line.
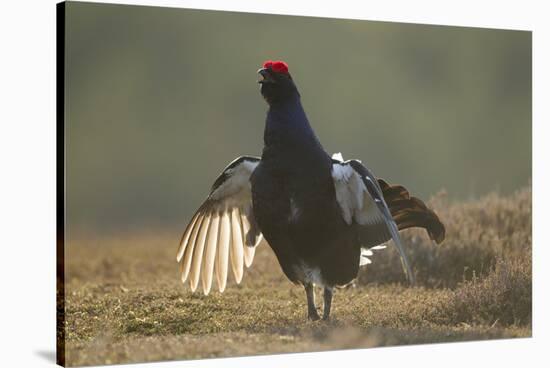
[60, 183]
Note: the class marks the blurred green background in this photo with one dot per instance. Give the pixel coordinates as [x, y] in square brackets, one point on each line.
[159, 100]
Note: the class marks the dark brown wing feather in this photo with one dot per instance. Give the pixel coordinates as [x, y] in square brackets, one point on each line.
[410, 211]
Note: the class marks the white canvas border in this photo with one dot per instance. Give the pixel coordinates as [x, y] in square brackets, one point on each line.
[27, 151]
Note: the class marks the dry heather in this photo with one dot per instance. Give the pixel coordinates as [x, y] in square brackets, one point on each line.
[125, 304]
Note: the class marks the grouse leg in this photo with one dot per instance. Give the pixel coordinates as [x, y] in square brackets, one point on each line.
[327, 297]
[311, 309]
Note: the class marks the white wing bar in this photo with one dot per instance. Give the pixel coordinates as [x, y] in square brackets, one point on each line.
[361, 202]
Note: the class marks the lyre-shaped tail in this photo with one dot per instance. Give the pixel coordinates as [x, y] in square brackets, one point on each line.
[410, 211]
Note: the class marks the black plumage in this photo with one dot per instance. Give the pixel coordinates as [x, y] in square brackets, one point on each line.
[317, 213]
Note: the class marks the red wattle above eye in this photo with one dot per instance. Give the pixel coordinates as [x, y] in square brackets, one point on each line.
[277, 66]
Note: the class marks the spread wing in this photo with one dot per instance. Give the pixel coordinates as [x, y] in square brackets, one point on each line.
[223, 231]
[362, 204]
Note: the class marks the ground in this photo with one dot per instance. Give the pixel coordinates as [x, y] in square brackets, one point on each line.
[124, 302]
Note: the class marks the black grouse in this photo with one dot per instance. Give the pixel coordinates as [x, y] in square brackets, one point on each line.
[320, 215]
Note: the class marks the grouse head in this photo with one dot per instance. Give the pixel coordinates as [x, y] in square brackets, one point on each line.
[277, 85]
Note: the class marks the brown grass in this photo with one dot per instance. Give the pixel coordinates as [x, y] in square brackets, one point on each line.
[124, 302]
[478, 233]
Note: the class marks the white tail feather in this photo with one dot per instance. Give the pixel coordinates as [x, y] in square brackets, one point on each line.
[185, 264]
[365, 253]
[197, 254]
[210, 254]
[237, 245]
[185, 237]
[223, 251]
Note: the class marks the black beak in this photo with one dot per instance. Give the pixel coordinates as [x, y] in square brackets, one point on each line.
[264, 76]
